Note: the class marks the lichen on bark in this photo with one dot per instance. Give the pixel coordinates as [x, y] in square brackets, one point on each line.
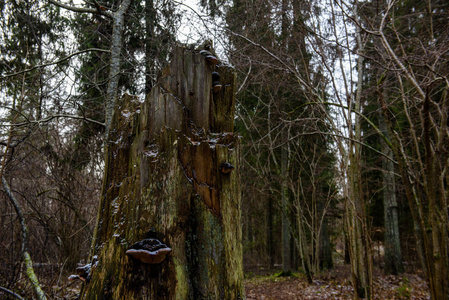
[162, 175]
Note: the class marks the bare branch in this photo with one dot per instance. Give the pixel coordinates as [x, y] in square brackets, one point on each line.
[282, 62]
[82, 9]
[246, 78]
[54, 63]
[390, 50]
[11, 293]
[26, 256]
[49, 118]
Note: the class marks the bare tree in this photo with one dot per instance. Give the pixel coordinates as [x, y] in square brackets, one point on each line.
[412, 91]
[283, 114]
[118, 18]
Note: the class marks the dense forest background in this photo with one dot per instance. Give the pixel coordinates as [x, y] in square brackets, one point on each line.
[342, 108]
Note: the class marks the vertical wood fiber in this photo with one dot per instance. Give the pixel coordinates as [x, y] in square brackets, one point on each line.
[162, 172]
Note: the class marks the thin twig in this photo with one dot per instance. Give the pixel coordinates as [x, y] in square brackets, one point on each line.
[11, 293]
[53, 63]
[49, 118]
[97, 10]
[26, 256]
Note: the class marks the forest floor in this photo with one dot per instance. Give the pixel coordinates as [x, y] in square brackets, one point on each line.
[333, 284]
[266, 284]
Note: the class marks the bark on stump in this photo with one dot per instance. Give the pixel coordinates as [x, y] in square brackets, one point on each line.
[163, 179]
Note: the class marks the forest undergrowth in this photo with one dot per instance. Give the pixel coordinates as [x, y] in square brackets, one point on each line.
[267, 284]
[261, 284]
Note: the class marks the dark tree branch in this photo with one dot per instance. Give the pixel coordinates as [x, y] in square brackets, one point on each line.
[53, 63]
[11, 293]
[26, 256]
[97, 10]
[49, 118]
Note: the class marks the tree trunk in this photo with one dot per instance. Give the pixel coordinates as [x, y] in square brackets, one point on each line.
[393, 255]
[434, 191]
[163, 179]
[286, 254]
[269, 229]
[118, 26]
[150, 48]
[325, 258]
[356, 221]
[303, 248]
[286, 251]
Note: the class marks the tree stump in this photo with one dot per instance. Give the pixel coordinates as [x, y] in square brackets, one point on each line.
[165, 179]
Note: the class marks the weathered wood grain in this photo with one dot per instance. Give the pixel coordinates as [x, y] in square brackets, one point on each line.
[162, 175]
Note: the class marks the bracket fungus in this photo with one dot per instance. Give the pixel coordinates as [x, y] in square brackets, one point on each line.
[216, 85]
[226, 167]
[215, 76]
[212, 60]
[149, 251]
[216, 82]
[84, 271]
[73, 277]
[205, 53]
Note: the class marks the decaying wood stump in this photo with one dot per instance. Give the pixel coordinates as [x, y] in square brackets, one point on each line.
[164, 180]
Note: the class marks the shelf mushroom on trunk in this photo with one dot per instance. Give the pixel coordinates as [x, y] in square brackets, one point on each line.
[216, 82]
[212, 60]
[226, 167]
[149, 251]
[84, 271]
